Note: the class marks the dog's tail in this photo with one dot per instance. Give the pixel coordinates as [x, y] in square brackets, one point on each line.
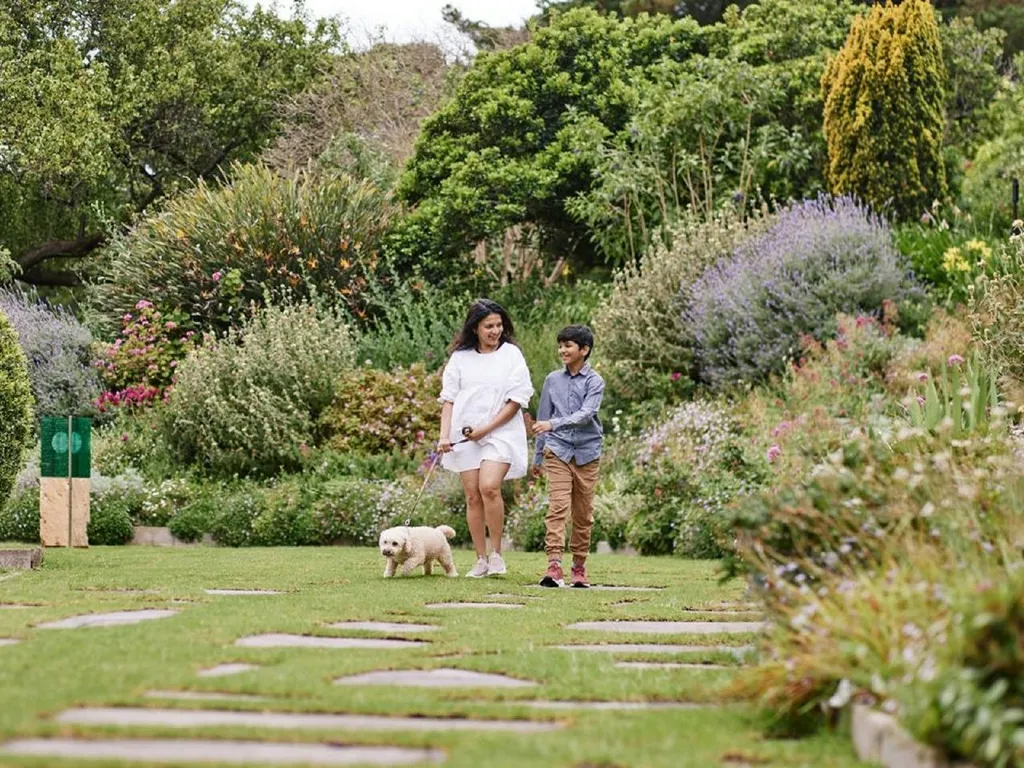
[447, 530]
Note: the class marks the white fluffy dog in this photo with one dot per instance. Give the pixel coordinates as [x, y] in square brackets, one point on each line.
[413, 547]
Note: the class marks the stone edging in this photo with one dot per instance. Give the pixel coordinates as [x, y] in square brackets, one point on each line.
[878, 738]
[21, 558]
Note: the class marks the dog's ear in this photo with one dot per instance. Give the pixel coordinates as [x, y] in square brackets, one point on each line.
[402, 537]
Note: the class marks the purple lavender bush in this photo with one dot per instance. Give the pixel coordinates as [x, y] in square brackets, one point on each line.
[823, 257]
[58, 350]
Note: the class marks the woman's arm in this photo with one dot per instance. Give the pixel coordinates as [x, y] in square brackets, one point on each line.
[507, 412]
[444, 442]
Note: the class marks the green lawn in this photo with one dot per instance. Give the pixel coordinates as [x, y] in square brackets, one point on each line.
[51, 670]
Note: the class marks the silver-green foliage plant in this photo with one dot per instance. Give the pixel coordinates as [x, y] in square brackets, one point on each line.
[248, 404]
[15, 407]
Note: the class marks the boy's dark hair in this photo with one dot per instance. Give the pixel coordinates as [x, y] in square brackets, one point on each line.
[581, 334]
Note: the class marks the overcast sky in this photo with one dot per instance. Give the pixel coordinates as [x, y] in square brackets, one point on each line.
[413, 19]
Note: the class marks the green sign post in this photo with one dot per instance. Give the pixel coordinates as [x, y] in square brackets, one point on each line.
[66, 453]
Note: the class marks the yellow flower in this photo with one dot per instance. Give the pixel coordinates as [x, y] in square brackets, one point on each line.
[981, 247]
[953, 261]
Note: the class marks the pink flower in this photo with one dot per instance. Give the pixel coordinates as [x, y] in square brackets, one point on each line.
[774, 452]
[124, 437]
[922, 377]
[920, 400]
[421, 436]
[677, 376]
[170, 325]
[216, 276]
[143, 304]
[174, 363]
[127, 318]
[954, 360]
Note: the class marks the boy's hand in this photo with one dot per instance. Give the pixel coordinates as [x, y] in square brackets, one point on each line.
[537, 470]
[540, 427]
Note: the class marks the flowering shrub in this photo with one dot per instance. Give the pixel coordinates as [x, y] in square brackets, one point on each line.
[640, 331]
[524, 521]
[213, 253]
[997, 310]
[57, 348]
[688, 468]
[15, 407]
[140, 365]
[379, 412]
[821, 257]
[249, 404]
[19, 517]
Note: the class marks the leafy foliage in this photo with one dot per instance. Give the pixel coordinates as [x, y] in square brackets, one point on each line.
[106, 107]
[249, 403]
[58, 351]
[820, 258]
[213, 253]
[884, 117]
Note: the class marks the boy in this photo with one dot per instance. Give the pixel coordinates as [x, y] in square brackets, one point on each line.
[569, 437]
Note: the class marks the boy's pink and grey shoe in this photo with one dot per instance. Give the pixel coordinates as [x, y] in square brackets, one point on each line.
[554, 576]
[579, 576]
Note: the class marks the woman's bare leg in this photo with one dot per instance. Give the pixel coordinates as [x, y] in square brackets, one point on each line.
[491, 475]
[475, 511]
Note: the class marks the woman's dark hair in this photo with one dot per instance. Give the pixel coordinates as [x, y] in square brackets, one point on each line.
[478, 310]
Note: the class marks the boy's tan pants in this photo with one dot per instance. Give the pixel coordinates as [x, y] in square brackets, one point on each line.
[570, 489]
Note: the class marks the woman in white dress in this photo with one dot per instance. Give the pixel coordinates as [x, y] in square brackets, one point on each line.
[485, 386]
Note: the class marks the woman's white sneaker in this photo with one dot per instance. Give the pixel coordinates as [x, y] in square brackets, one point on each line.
[496, 565]
[479, 570]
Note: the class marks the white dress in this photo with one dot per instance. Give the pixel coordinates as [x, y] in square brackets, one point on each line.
[479, 385]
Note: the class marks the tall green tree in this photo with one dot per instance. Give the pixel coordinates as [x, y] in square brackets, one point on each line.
[885, 99]
[108, 105]
[702, 11]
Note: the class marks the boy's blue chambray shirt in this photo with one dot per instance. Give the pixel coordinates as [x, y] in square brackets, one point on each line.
[570, 403]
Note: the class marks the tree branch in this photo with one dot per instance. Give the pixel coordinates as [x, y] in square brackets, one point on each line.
[64, 249]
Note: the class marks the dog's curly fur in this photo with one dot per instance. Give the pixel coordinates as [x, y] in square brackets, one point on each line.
[412, 547]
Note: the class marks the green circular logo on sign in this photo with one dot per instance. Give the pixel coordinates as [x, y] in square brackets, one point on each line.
[60, 442]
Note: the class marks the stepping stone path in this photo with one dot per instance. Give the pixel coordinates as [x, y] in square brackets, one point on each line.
[435, 678]
[383, 626]
[474, 605]
[9, 641]
[242, 592]
[201, 718]
[313, 641]
[672, 627]
[14, 606]
[203, 696]
[205, 751]
[116, 618]
[656, 648]
[223, 670]
[668, 665]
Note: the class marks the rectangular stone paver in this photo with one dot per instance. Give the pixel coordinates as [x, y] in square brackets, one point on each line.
[668, 665]
[107, 619]
[609, 706]
[203, 696]
[383, 626]
[9, 641]
[223, 670]
[474, 605]
[655, 648]
[435, 678]
[220, 751]
[602, 588]
[672, 627]
[315, 641]
[242, 592]
[198, 718]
